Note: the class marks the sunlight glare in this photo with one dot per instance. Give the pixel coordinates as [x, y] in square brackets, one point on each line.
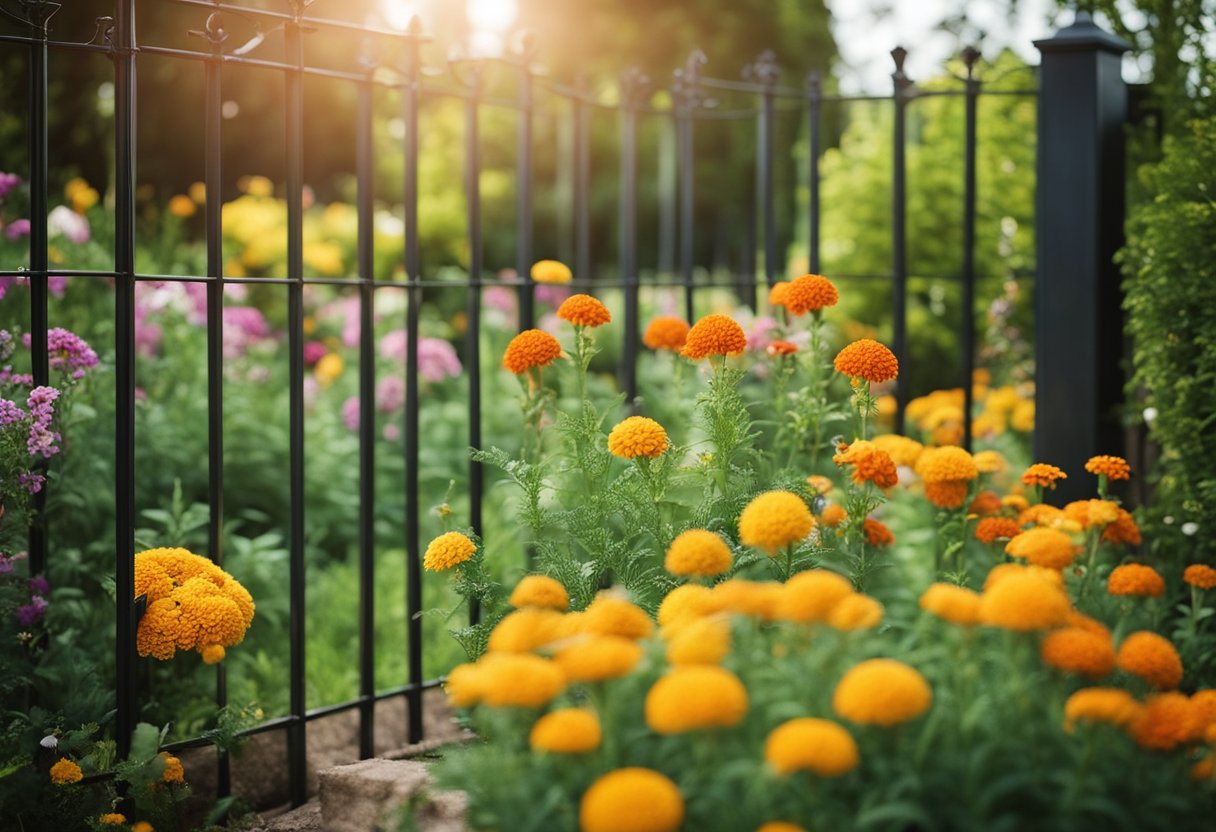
[491, 15]
[398, 13]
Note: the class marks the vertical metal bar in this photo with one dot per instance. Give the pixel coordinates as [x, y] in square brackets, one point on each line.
[473, 300]
[765, 71]
[213, 179]
[630, 84]
[294, 96]
[365, 176]
[899, 254]
[667, 184]
[523, 189]
[970, 56]
[413, 265]
[39, 198]
[687, 97]
[814, 91]
[124, 370]
[582, 183]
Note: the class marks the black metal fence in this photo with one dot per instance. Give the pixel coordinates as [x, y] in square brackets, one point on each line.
[690, 107]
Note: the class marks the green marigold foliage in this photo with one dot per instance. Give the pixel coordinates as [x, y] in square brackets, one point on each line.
[1169, 265]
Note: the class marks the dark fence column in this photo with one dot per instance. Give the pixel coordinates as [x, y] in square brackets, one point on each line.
[1078, 323]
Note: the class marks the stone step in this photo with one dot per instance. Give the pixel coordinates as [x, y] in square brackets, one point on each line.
[371, 795]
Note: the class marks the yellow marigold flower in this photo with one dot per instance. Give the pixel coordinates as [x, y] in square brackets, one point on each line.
[1200, 575]
[761, 599]
[1111, 467]
[985, 502]
[955, 604]
[174, 773]
[1043, 547]
[694, 697]
[867, 359]
[182, 206]
[714, 335]
[1123, 530]
[882, 692]
[584, 310]
[947, 464]
[1040, 515]
[856, 612]
[1004, 570]
[687, 602]
[833, 515]
[566, 731]
[1082, 621]
[870, 464]
[887, 405]
[699, 553]
[551, 271]
[774, 520]
[810, 293]
[197, 192]
[1087, 513]
[192, 605]
[142, 826]
[1167, 721]
[213, 653]
[519, 680]
[524, 631]
[1205, 706]
[596, 658]
[666, 333]
[631, 800]
[463, 686]
[877, 533]
[611, 616]
[992, 529]
[540, 591]
[778, 293]
[1016, 502]
[112, 819]
[1135, 579]
[816, 745]
[1043, 475]
[901, 449]
[1076, 650]
[820, 483]
[779, 348]
[990, 462]
[530, 348]
[448, 550]
[779, 826]
[328, 369]
[1111, 706]
[637, 436]
[1024, 601]
[703, 641]
[946, 494]
[812, 595]
[1152, 658]
[1022, 419]
[65, 772]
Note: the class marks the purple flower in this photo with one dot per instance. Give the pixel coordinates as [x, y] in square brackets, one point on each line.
[314, 351]
[437, 359]
[39, 585]
[390, 393]
[31, 482]
[17, 229]
[350, 413]
[10, 412]
[244, 326]
[7, 376]
[68, 351]
[6, 564]
[552, 294]
[42, 440]
[8, 181]
[57, 284]
[64, 221]
[32, 612]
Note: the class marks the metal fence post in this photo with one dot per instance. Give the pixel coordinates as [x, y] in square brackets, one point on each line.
[523, 189]
[687, 97]
[631, 86]
[814, 94]
[765, 72]
[1079, 218]
[967, 341]
[899, 231]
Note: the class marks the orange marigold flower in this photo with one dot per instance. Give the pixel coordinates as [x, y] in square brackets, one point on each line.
[882, 692]
[856, 612]
[946, 464]
[1152, 658]
[714, 335]
[638, 436]
[1024, 601]
[955, 604]
[1076, 650]
[698, 552]
[1015, 501]
[1043, 547]
[869, 360]
[780, 348]
[1090, 513]
[815, 745]
[992, 529]
[112, 819]
[1004, 570]
[448, 550]
[810, 293]
[530, 348]
[774, 520]
[174, 773]
[66, 772]
[1205, 706]
[779, 826]
[986, 502]
[877, 533]
[584, 310]
[812, 595]
[1040, 515]
[1082, 621]
[778, 292]
[1112, 706]
[694, 697]
[1167, 721]
[1111, 467]
[833, 515]
[901, 449]
[666, 333]
[566, 731]
[1200, 575]
[821, 484]
[611, 616]
[551, 271]
[596, 658]
[870, 464]
[1135, 579]
[948, 494]
[1043, 475]
[540, 591]
[631, 800]
[990, 462]
[1123, 530]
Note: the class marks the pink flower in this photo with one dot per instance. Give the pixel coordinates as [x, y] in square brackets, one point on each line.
[314, 351]
[350, 413]
[17, 229]
[390, 394]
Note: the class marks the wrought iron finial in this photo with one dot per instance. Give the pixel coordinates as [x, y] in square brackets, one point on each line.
[902, 82]
[684, 88]
[34, 13]
[814, 84]
[971, 57]
[764, 70]
[633, 83]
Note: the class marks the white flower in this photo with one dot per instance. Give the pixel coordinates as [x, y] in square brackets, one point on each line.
[1150, 413]
[1168, 519]
[64, 221]
[1189, 529]
[50, 741]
